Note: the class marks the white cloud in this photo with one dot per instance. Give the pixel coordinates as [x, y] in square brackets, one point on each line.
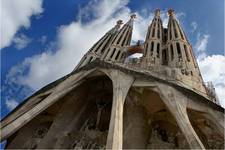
[14, 15]
[11, 104]
[213, 69]
[194, 26]
[201, 44]
[21, 41]
[202, 41]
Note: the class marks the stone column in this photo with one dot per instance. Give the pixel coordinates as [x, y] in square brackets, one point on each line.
[175, 102]
[136, 131]
[121, 85]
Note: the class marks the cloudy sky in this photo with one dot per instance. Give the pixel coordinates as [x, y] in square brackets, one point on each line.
[42, 41]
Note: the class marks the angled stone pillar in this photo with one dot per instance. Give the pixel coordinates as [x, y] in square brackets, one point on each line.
[72, 108]
[176, 103]
[121, 85]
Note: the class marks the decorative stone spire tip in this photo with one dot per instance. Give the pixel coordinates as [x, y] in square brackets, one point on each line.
[133, 16]
[119, 23]
[170, 12]
[157, 12]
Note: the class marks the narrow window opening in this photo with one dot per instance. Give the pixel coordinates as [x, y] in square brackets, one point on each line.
[121, 36]
[186, 52]
[158, 34]
[146, 49]
[170, 33]
[182, 36]
[117, 55]
[147, 36]
[113, 53]
[125, 38]
[172, 53]
[106, 44]
[99, 43]
[90, 59]
[164, 57]
[174, 28]
[178, 50]
[128, 41]
[158, 49]
[153, 32]
[152, 48]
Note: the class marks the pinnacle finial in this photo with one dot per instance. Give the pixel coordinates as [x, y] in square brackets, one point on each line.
[133, 16]
[170, 12]
[119, 22]
[157, 12]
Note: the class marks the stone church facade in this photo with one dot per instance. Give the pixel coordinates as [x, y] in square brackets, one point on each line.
[113, 101]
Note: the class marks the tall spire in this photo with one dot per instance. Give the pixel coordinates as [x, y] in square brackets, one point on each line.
[153, 41]
[180, 51]
[98, 49]
[122, 38]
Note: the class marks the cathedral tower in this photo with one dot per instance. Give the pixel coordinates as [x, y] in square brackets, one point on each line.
[116, 52]
[98, 50]
[153, 42]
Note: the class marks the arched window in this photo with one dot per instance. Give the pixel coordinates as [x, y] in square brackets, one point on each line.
[170, 33]
[175, 30]
[158, 50]
[158, 33]
[181, 34]
[153, 32]
[121, 35]
[146, 49]
[178, 50]
[186, 52]
[171, 50]
[152, 48]
[125, 38]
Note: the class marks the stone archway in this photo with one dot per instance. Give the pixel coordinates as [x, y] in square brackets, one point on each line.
[83, 121]
[148, 123]
[206, 130]
[81, 117]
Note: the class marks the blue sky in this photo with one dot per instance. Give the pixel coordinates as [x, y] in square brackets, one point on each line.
[46, 41]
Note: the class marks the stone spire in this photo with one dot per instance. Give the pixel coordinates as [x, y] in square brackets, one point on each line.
[122, 39]
[153, 41]
[98, 49]
[180, 51]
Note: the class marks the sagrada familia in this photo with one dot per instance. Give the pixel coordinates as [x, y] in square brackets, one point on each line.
[114, 101]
